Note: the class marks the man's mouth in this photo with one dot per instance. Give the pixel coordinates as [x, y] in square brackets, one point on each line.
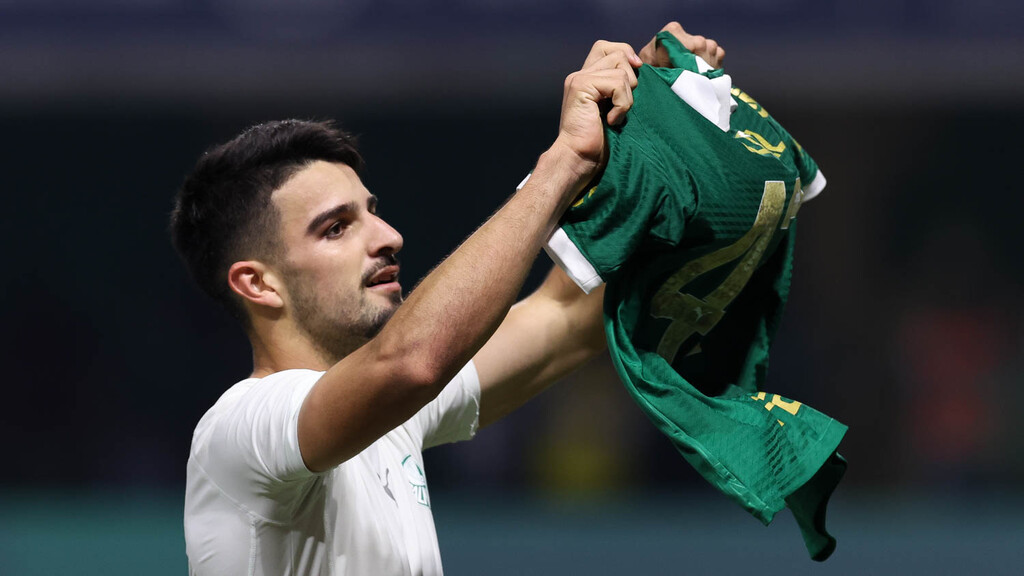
[386, 275]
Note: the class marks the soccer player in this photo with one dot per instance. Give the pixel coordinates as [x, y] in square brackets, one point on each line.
[312, 465]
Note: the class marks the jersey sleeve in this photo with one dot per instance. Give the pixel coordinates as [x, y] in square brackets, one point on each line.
[608, 225]
[811, 178]
[454, 415]
[638, 201]
[249, 446]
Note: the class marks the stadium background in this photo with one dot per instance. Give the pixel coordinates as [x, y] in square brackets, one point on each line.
[905, 320]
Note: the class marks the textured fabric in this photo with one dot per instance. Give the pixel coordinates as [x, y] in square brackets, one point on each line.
[252, 507]
[692, 226]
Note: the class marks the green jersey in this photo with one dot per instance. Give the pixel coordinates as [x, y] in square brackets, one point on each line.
[692, 226]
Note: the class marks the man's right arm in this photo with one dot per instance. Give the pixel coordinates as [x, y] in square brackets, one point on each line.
[457, 307]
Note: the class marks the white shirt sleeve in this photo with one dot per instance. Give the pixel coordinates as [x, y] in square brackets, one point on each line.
[248, 444]
[454, 415]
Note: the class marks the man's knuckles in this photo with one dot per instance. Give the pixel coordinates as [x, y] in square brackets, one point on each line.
[675, 28]
[695, 44]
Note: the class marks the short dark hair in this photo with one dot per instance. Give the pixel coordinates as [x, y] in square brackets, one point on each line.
[223, 213]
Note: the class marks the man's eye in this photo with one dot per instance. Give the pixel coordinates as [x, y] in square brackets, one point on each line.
[335, 230]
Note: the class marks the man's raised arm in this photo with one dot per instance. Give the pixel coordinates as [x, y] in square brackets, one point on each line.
[547, 335]
[456, 308]
[558, 327]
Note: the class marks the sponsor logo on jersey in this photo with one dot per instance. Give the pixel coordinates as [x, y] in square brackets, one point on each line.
[759, 144]
[417, 480]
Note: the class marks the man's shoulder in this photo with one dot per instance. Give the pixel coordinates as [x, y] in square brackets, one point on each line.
[296, 377]
[254, 390]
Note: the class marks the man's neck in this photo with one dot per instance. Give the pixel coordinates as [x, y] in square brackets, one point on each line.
[278, 351]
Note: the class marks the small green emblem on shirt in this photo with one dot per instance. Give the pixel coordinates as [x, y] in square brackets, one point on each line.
[417, 480]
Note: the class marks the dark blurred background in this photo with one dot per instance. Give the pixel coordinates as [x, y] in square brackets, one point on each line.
[904, 321]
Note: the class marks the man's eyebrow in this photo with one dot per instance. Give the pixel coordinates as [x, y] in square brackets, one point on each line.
[337, 212]
[330, 214]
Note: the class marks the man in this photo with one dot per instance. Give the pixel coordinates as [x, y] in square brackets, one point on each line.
[312, 465]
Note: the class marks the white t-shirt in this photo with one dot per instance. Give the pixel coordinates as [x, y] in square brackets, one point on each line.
[252, 507]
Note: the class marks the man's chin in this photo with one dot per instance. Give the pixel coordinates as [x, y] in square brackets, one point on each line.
[384, 314]
[391, 302]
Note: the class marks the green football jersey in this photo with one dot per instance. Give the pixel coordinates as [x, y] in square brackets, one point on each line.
[692, 226]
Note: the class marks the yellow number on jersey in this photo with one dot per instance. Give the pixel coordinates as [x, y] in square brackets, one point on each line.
[692, 315]
[791, 406]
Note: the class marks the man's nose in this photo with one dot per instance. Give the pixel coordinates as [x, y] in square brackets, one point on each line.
[386, 238]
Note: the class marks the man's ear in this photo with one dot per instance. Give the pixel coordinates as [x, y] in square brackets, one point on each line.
[256, 283]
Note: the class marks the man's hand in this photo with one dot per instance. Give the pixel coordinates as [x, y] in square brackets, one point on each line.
[706, 48]
[607, 75]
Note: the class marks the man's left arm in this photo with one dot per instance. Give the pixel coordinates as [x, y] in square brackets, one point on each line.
[543, 338]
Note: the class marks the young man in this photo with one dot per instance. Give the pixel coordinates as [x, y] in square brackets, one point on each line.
[312, 465]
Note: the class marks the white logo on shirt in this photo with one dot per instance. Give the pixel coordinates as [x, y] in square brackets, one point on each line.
[417, 480]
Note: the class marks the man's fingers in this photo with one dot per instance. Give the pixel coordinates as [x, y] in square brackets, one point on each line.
[603, 48]
[617, 85]
[706, 48]
[614, 61]
[712, 53]
[601, 91]
[675, 28]
[711, 49]
[614, 85]
[696, 44]
[622, 101]
[649, 54]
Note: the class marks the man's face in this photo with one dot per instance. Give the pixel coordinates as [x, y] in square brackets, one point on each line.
[339, 266]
